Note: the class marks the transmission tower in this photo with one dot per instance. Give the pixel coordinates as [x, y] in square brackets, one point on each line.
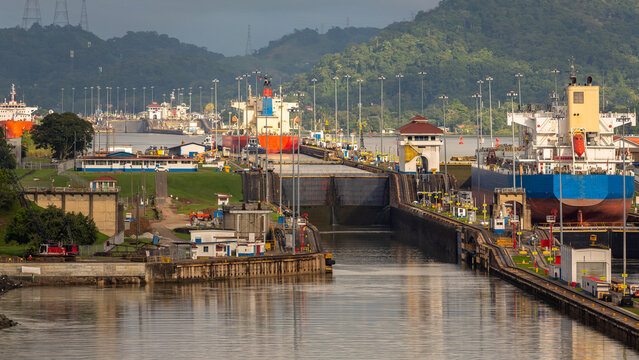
[249, 47]
[31, 14]
[61, 15]
[84, 18]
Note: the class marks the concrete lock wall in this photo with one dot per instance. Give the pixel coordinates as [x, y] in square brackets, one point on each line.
[339, 190]
[74, 272]
[101, 207]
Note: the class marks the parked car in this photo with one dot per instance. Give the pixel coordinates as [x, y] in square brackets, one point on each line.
[161, 168]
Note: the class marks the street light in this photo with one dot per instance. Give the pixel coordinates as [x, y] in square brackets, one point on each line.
[348, 111]
[335, 78]
[92, 113]
[117, 98]
[201, 99]
[444, 100]
[477, 98]
[512, 95]
[125, 101]
[73, 100]
[152, 93]
[519, 76]
[423, 74]
[399, 99]
[85, 102]
[381, 102]
[62, 100]
[481, 110]
[490, 104]
[314, 80]
[133, 102]
[359, 121]
[294, 195]
[144, 96]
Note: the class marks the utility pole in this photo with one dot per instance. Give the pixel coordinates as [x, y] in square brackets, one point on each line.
[422, 73]
[444, 99]
[348, 111]
[490, 105]
[314, 80]
[381, 103]
[359, 121]
[62, 100]
[335, 78]
[399, 98]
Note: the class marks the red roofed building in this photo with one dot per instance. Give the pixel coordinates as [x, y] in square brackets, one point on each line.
[104, 182]
[419, 144]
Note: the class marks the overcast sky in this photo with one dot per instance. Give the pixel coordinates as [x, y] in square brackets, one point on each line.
[221, 25]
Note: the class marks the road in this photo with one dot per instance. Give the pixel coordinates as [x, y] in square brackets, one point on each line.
[169, 218]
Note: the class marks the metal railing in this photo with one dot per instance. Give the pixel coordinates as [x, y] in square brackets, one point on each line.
[71, 190]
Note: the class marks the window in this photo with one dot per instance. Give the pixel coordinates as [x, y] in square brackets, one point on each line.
[578, 97]
[206, 249]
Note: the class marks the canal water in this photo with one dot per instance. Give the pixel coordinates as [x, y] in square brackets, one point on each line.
[385, 300]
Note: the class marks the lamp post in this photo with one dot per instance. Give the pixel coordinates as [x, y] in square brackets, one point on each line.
[215, 117]
[62, 100]
[125, 101]
[190, 102]
[73, 100]
[92, 113]
[133, 102]
[144, 96]
[314, 80]
[512, 95]
[490, 107]
[423, 74]
[281, 137]
[98, 106]
[239, 99]
[293, 187]
[85, 102]
[399, 98]
[348, 110]
[444, 100]
[359, 119]
[519, 76]
[477, 98]
[117, 97]
[200, 99]
[152, 93]
[335, 78]
[381, 104]
[481, 110]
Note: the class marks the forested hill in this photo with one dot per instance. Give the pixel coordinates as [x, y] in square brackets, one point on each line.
[462, 41]
[43, 60]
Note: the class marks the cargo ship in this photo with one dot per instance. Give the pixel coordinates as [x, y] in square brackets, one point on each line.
[263, 117]
[567, 151]
[16, 117]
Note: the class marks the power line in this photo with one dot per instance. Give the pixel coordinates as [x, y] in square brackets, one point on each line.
[61, 15]
[84, 18]
[31, 14]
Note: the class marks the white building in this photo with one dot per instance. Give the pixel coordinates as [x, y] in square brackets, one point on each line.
[203, 236]
[155, 111]
[206, 250]
[187, 150]
[419, 144]
[592, 261]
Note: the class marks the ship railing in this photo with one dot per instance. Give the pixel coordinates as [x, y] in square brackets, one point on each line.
[571, 226]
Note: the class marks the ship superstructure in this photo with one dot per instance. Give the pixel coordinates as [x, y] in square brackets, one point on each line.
[568, 136]
[262, 115]
[16, 117]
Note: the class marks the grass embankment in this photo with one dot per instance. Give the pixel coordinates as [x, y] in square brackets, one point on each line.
[524, 262]
[125, 180]
[42, 178]
[198, 190]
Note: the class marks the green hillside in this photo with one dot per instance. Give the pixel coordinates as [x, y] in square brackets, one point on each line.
[462, 41]
[42, 60]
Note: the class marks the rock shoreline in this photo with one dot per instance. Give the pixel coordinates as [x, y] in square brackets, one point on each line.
[6, 285]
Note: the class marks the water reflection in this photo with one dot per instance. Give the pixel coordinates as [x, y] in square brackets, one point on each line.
[385, 300]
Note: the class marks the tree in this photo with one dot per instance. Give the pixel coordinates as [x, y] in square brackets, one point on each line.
[58, 131]
[7, 162]
[56, 226]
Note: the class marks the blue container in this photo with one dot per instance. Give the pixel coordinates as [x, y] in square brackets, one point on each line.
[280, 219]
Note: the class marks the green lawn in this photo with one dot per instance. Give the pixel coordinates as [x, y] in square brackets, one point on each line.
[124, 181]
[200, 188]
[185, 237]
[12, 250]
[42, 178]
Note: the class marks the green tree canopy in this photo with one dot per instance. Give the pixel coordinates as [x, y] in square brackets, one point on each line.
[55, 226]
[59, 131]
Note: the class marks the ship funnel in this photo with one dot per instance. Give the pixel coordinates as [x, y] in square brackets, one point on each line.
[589, 81]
